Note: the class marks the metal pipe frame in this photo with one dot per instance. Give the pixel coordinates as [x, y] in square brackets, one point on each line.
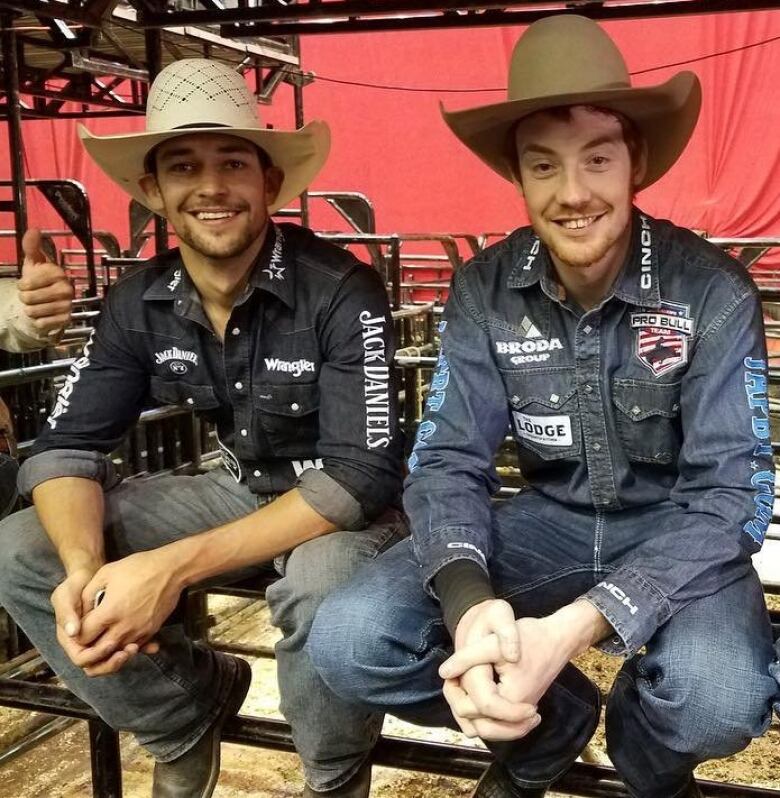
[589, 781]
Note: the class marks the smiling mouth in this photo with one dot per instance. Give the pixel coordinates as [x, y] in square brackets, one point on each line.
[580, 223]
[213, 216]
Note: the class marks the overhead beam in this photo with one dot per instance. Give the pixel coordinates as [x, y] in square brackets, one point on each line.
[398, 14]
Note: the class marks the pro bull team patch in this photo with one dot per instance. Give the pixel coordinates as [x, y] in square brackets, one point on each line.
[662, 336]
[545, 430]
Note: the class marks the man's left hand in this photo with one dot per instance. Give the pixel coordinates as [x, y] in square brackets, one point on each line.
[139, 595]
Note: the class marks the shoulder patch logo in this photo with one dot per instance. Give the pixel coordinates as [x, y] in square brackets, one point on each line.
[662, 336]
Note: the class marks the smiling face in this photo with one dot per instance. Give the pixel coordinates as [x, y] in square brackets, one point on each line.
[578, 180]
[214, 191]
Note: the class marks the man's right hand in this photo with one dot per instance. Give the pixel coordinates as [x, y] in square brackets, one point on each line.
[68, 612]
[475, 699]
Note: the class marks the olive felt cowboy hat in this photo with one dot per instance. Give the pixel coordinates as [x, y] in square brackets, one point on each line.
[196, 95]
[569, 60]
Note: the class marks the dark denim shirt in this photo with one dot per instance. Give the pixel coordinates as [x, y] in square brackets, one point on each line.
[301, 390]
[657, 394]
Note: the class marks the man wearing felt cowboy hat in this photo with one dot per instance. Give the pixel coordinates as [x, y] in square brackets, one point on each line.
[627, 357]
[284, 343]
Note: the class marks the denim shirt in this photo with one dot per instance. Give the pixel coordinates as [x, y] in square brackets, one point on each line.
[657, 394]
[301, 389]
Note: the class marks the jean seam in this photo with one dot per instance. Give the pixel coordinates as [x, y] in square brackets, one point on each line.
[572, 569]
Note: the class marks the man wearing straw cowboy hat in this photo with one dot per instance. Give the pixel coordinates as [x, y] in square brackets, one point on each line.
[627, 357]
[284, 342]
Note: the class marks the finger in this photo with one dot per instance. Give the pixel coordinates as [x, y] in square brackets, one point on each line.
[466, 726]
[112, 665]
[483, 691]
[460, 703]
[486, 652]
[152, 647]
[51, 324]
[32, 249]
[100, 650]
[45, 276]
[67, 609]
[47, 310]
[502, 623]
[489, 729]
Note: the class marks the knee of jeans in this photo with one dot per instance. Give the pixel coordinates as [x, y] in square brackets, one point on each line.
[24, 547]
[351, 653]
[709, 710]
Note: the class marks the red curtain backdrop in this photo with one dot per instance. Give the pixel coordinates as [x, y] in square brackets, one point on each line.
[393, 146]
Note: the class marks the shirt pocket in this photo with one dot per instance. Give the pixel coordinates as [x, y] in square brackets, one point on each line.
[545, 413]
[648, 420]
[175, 392]
[289, 417]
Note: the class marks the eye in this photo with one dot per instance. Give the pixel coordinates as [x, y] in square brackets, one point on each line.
[235, 163]
[542, 169]
[600, 160]
[181, 167]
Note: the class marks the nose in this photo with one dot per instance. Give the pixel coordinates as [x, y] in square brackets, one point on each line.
[572, 189]
[212, 183]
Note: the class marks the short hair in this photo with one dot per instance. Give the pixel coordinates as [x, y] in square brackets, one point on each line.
[632, 136]
[150, 160]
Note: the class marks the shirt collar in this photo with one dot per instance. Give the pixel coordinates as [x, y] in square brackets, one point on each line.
[271, 272]
[637, 282]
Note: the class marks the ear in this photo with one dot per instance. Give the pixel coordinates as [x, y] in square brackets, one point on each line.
[274, 177]
[151, 190]
[639, 169]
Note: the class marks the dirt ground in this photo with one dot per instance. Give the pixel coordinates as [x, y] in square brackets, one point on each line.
[59, 767]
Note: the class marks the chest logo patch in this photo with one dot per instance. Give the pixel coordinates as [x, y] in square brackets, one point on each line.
[176, 359]
[662, 336]
[546, 430]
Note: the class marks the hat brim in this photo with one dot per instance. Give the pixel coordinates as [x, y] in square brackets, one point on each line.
[666, 116]
[300, 154]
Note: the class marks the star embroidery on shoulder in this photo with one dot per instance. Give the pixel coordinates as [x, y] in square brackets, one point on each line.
[274, 271]
[754, 465]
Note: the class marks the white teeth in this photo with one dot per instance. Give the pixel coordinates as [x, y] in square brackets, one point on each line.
[577, 224]
[207, 215]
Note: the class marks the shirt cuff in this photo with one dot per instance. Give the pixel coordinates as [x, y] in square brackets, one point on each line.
[56, 463]
[460, 585]
[331, 500]
[633, 606]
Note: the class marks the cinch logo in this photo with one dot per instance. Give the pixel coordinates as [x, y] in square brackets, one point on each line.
[294, 367]
[456, 544]
[175, 281]
[620, 596]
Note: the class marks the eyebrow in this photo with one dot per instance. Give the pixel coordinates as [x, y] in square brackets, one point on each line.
[539, 149]
[225, 149]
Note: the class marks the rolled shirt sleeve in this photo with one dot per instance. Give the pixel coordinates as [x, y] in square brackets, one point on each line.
[102, 396]
[724, 491]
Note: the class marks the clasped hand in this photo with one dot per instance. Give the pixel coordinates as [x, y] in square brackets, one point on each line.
[500, 669]
[139, 596]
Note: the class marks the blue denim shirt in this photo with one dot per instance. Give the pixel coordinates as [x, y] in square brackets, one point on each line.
[659, 393]
[301, 389]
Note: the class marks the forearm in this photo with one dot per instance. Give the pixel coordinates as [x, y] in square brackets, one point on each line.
[258, 537]
[71, 512]
[581, 625]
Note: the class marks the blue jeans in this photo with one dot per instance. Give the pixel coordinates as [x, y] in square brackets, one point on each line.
[168, 700]
[702, 688]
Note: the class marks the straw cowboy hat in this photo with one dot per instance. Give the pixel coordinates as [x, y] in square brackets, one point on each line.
[569, 60]
[196, 95]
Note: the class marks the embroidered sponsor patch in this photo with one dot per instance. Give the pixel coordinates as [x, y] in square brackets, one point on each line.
[546, 430]
[230, 461]
[535, 348]
[662, 336]
[275, 270]
[294, 367]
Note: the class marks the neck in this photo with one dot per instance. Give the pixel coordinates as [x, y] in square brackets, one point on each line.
[220, 281]
[588, 286]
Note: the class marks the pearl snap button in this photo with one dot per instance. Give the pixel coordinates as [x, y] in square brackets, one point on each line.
[190, 401]
[239, 386]
[235, 331]
[636, 410]
[244, 433]
[295, 406]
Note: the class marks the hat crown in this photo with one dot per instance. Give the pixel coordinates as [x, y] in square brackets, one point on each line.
[197, 91]
[565, 54]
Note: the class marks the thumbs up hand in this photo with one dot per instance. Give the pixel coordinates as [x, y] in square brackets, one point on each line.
[44, 289]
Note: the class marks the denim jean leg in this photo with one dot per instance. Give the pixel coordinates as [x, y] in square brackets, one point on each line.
[702, 691]
[380, 639]
[9, 469]
[167, 700]
[332, 736]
